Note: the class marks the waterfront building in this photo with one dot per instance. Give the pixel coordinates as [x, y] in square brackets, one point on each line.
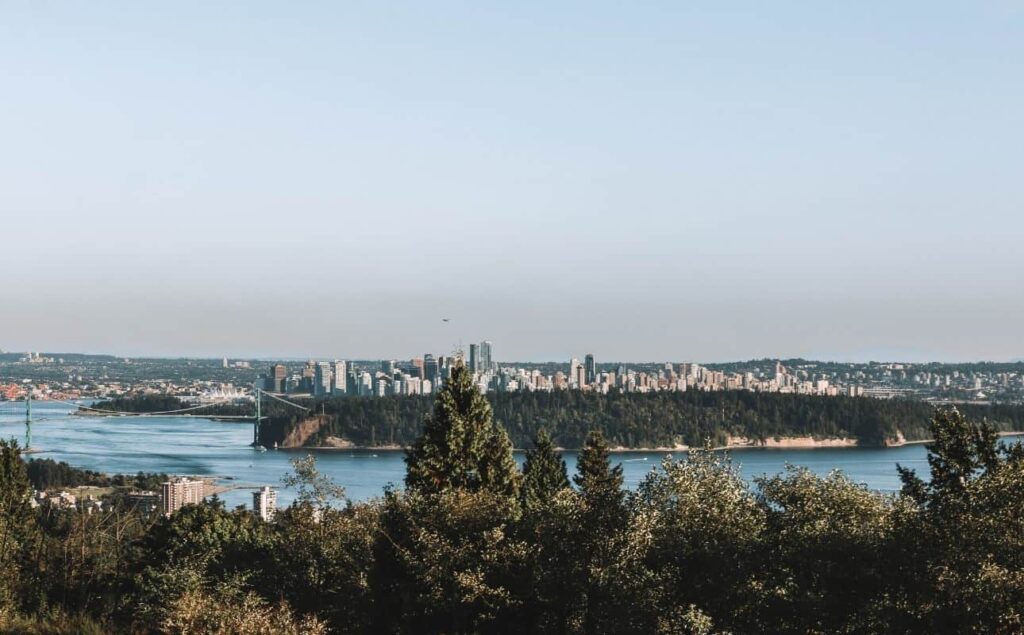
[143, 500]
[179, 492]
[264, 503]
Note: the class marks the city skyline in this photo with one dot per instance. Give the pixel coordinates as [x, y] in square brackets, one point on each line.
[466, 352]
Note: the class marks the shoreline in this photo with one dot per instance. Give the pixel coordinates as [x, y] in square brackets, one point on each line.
[736, 443]
[899, 443]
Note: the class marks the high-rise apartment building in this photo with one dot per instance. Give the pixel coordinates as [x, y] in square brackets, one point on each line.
[430, 368]
[264, 502]
[486, 362]
[590, 367]
[577, 375]
[308, 377]
[278, 378]
[352, 381]
[179, 492]
[322, 376]
[340, 386]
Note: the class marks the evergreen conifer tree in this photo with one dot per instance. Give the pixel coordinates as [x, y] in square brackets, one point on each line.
[498, 471]
[460, 446]
[599, 482]
[603, 545]
[544, 472]
[960, 452]
[17, 524]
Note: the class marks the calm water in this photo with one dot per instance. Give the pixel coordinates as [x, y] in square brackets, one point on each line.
[183, 445]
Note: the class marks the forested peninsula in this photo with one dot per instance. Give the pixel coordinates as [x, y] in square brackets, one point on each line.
[630, 420]
[638, 421]
[147, 404]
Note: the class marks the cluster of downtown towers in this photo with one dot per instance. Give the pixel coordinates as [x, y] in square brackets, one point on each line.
[419, 376]
[424, 375]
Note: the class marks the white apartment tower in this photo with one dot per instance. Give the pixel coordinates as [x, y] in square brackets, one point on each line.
[340, 377]
[264, 502]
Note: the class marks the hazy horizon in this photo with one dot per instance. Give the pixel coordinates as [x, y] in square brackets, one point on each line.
[600, 361]
[649, 182]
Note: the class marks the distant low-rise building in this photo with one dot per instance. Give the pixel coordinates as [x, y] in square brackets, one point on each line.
[61, 500]
[89, 504]
[143, 500]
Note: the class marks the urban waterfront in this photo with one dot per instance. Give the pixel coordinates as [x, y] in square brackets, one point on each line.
[202, 447]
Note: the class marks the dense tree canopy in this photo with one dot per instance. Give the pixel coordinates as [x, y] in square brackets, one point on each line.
[146, 403]
[471, 546]
[641, 420]
[544, 473]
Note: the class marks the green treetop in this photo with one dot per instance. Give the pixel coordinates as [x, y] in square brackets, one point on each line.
[460, 446]
[544, 472]
[597, 479]
[499, 473]
[960, 452]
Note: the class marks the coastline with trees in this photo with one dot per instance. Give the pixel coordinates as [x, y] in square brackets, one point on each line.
[668, 421]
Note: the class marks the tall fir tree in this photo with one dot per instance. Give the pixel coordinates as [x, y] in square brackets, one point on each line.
[460, 446]
[961, 451]
[544, 472]
[499, 473]
[599, 482]
[603, 545]
[18, 530]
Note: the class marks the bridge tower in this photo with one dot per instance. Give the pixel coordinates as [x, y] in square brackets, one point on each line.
[28, 417]
[256, 425]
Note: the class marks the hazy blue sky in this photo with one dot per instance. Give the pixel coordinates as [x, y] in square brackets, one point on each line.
[641, 180]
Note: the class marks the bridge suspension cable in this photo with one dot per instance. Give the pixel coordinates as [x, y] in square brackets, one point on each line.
[30, 419]
[290, 403]
[161, 412]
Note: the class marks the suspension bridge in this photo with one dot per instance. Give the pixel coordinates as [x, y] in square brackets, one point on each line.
[17, 408]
